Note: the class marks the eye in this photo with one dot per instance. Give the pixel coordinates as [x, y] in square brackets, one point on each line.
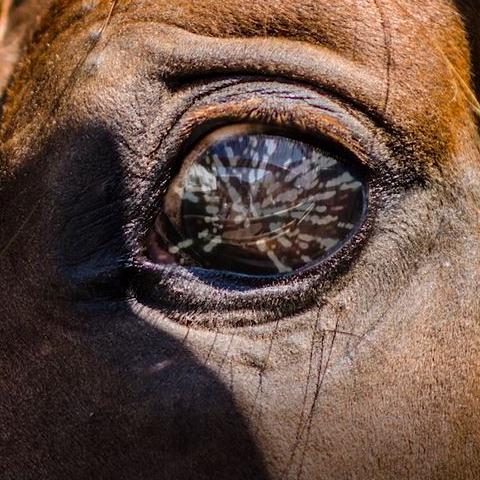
[255, 200]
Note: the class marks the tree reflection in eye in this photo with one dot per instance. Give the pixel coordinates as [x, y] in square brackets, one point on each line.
[251, 200]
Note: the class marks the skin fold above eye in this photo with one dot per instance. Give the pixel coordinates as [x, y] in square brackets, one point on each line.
[252, 200]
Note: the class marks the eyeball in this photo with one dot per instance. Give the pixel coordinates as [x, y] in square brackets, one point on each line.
[253, 200]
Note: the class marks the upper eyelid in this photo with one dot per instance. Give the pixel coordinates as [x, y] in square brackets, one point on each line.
[281, 103]
[173, 55]
[348, 104]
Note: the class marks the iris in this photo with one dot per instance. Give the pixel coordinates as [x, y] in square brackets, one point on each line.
[253, 200]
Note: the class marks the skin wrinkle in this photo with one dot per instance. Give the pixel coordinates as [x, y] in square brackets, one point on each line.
[383, 20]
[391, 373]
[382, 40]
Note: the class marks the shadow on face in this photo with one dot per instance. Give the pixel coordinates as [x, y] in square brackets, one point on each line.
[103, 393]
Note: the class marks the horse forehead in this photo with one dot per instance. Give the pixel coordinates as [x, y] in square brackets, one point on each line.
[354, 27]
[345, 24]
[417, 49]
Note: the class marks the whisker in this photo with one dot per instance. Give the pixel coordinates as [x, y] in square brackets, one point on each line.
[212, 346]
[113, 6]
[388, 51]
[320, 382]
[227, 351]
[263, 367]
[301, 421]
[95, 40]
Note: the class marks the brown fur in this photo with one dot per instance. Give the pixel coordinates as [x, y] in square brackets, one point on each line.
[371, 373]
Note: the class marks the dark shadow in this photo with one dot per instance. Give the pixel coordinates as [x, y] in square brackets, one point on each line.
[112, 397]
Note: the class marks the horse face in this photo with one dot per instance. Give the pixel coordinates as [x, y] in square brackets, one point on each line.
[117, 362]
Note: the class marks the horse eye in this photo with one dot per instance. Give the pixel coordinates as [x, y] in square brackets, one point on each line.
[255, 201]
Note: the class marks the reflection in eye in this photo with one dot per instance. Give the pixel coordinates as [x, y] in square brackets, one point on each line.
[250, 200]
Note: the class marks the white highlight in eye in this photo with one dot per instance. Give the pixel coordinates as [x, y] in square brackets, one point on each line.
[324, 196]
[212, 209]
[294, 173]
[281, 267]
[345, 177]
[271, 146]
[322, 161]
[191, 197]
[306, 238]
[323, 220]
[180, 246]
[285, 242]
[327, 243]
[351, 186]
[214, 242]
[200, 180]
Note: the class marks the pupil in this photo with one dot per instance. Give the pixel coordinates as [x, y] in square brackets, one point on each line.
[260, 203]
